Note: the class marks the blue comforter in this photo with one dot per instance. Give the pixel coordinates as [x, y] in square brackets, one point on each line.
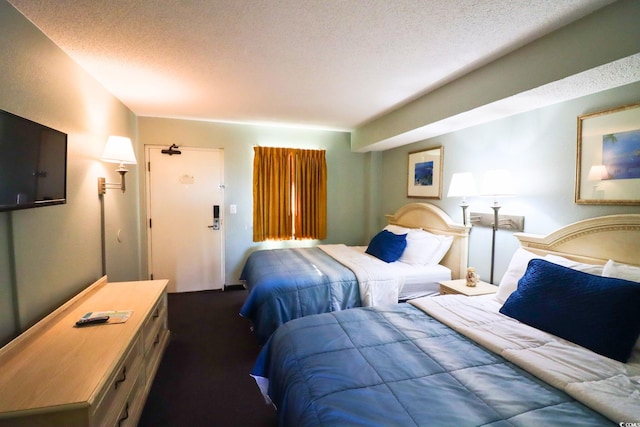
[285, 284]
[397, 366]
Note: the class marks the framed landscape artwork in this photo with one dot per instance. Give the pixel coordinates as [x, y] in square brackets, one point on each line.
[425, 173]
[608, 157]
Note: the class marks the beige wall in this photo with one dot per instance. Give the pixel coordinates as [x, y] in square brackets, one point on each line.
[48, 254]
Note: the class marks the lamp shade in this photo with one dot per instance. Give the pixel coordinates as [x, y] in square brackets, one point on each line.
[119, 150]
[497, 183]
[598, 173]
[462, 185]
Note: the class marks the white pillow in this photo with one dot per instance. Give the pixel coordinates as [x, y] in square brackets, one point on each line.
[445, 245]
[515, 271]
[621, 271]
[423, 248]
[420, 248]
[575, 265]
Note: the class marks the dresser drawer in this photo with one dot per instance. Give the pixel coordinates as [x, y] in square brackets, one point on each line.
[130, 414]
[155, 337]
[120, 386]
[155, 324]
[57, 375]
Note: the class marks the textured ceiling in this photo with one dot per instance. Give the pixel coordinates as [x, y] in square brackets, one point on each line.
[322, 63]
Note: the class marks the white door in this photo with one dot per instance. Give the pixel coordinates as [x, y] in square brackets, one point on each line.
[186, 242]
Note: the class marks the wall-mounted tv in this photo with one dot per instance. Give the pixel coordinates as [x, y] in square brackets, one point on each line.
[33, 164]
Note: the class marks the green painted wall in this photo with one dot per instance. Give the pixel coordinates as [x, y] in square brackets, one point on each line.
[538, 147]
[604, 36]
[349, 193]
[49, 254]
[56, 251]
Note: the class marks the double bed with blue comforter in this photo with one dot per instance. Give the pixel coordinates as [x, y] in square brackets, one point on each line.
[285, 284]
[558, 344]
[397, 366]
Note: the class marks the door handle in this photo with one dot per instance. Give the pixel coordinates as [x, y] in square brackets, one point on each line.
[216, 218]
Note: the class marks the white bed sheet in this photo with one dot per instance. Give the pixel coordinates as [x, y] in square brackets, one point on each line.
[606, 385]
[419, 280]
[385, 283]
[423, 280]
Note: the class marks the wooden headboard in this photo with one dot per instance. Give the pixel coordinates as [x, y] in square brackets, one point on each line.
[434, 220]
[594, 240]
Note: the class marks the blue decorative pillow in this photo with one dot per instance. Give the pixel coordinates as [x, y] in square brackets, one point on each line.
[598, 313]
[387, 246]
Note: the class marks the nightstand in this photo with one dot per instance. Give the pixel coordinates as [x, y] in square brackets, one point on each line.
[460, 287]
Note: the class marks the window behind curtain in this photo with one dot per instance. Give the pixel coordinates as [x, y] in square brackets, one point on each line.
[289, 194]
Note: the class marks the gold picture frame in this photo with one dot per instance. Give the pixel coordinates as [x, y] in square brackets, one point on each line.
[608, 157]
[424, 178]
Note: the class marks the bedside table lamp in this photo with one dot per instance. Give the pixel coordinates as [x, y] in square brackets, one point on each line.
[462, 185]
[496, 183]
[117, 150]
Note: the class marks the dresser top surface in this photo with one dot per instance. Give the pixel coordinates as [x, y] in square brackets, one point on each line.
[63, 364]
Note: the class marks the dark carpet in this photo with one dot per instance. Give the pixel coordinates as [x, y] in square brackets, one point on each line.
[203, 379]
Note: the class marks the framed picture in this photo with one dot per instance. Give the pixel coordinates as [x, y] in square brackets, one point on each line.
[425, 173]
[608, 157]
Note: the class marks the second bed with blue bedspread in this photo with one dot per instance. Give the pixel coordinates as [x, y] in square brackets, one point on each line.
[397, 366]
[285, 284]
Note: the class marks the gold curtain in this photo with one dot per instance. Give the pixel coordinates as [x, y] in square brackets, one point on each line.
[281, 175]
[310, 186]
[271, 194]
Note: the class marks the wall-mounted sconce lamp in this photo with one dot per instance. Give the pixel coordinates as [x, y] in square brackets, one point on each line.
[496, 183]
[462, 185]
[117, 150]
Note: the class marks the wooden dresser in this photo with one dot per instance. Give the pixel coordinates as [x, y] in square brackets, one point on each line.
[56, 374]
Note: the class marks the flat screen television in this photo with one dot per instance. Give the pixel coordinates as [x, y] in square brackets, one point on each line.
[33, 164]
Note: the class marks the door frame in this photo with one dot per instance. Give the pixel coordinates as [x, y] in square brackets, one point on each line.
[147, 178]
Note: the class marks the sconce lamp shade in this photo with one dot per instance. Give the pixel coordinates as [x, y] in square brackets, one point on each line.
[598, 173]
[497, 183]
[119, 150]
[462, 185]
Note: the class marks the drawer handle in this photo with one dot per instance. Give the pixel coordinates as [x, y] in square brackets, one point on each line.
[156, 314]
[123, 379]
[126, 415]
[157, 340]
